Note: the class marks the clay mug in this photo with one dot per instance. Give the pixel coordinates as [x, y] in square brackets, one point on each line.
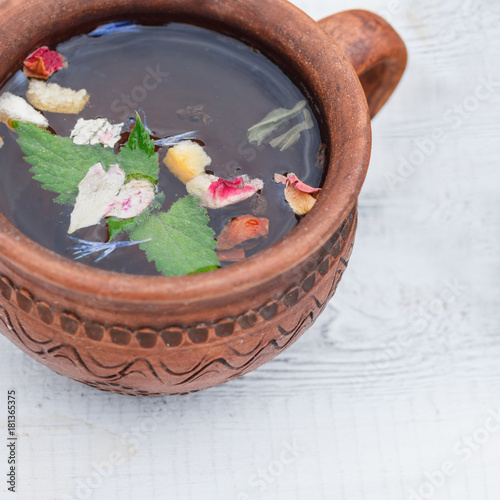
[148, 336]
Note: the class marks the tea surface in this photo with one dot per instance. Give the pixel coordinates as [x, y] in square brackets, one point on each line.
[182, 78]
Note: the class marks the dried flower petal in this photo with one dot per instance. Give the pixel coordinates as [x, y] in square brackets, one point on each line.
[96, 193]
[99, 131]
[57, 99]
[13, 107]
[176, 139]
[103, 194]
[43, 63]
[243, 231]
[85, 247]
[294, 180]
[116, 27]
[215, 192]
[299, 196]
[187, 160]
[132, 199]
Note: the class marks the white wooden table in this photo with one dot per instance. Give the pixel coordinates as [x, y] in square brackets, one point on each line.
[394, 394]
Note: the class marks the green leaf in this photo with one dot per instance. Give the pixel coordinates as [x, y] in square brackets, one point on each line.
[138, 155]
[181, 242]
[58, 163]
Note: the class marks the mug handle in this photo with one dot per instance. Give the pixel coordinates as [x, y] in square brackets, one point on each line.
[375, 50]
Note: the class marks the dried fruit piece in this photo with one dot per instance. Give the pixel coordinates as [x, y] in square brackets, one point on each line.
[99, 131]
[15, 108]
[43, 63]
[299, 196]
[215, 192]
[57, 99]
[187, 160]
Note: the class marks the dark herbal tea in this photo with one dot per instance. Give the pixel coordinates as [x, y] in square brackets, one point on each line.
[236, 108]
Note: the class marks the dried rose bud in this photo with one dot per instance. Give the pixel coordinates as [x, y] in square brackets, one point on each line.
[43, 63]
[299, 196]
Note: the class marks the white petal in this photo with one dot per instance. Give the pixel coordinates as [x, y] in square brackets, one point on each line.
[132, 199]
[96, 192]
[13, 107]
[94, 131]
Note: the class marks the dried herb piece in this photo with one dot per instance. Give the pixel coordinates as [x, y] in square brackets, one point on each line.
[194, 114]
[85, 247]
[260, 131]
[293, 135]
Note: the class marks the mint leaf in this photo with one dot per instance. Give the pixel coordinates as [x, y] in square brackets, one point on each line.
[58, 163]
[181, 242]
[116, 226]
[138, 155]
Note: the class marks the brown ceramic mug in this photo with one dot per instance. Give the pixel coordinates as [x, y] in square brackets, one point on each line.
[142, 335]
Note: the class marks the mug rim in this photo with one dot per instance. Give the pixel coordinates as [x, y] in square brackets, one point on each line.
[325, 73]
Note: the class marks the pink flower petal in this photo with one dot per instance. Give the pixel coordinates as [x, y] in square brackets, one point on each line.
[299, 196]
[132, 199]
[215, 192]
[292, 179]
